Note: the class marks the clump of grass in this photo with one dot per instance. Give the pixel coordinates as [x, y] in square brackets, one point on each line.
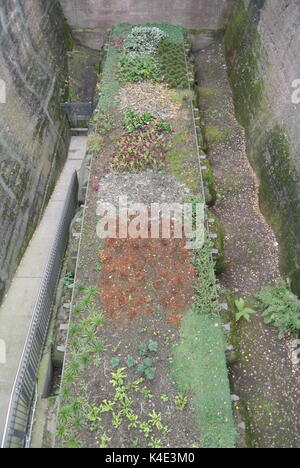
[173, 64]
[95, 143]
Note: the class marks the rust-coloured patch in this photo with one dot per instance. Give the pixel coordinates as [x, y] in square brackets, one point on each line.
[144, 276]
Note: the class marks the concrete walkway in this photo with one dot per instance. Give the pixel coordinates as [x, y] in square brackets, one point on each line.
[18, 306]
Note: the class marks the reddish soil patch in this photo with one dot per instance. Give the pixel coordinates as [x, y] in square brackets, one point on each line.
[143, 276]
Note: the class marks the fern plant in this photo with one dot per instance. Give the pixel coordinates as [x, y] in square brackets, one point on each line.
[243, 311]
[281, 307]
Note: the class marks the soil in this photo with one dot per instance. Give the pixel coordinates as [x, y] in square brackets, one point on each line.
[147, 97]
[145, 286]
[264, 377]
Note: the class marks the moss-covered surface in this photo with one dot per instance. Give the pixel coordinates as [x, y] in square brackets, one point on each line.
[279, 194]
[270, 150]
[244, 51]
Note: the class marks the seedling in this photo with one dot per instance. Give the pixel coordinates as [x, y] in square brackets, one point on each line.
[243, 311]
[181, 401]
[164, 398]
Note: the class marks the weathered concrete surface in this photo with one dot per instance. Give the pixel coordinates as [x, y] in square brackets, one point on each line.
[263, 52]
[18, 305]
[33, 132]
[93, 15]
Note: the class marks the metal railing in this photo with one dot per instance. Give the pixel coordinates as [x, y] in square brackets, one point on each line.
[22, 397]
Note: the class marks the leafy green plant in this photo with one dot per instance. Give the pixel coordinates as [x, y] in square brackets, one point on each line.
[115, 362]
[116, 420]
[143, 349]
[118, 377]
[144, 40]
[135, 68]
[281, 307]
[68, 279]
[150, 347]
[153, 346]
[106, 406]
[130, 361]
[155, 443]
[104, 440]
[243, 311]
[136, 121]
[181, 401]
[147, 369]
[145, 429]
[155, 420]
[164, 398]
[142, 149]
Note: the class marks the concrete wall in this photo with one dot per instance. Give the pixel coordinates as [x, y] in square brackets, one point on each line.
[263, 52]
[33, 132]
[102, 14]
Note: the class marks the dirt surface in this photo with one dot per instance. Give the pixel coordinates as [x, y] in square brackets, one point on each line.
[145, 286]
[147, 97]
[264, 377]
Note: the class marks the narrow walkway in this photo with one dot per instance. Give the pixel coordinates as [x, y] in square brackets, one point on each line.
[18, 306]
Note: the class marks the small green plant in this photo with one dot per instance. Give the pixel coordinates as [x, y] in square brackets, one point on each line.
[80, 288]
[143, 349]
[97, 319]
[145, 429]
[135, 121]
[136, 68]
[118, 377]
[68, 279]
[155, 420]
[115, 362]
[155, 443]
[104, 441]
[130, 361]
[164, 398]
[153, 346]
[116, 420]
[141, 149]
[144, 40]
[243, 311]
[146, 393]
[147, 369]
[281, 307]
[181, 401]
[146, 348]
[106, 406]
